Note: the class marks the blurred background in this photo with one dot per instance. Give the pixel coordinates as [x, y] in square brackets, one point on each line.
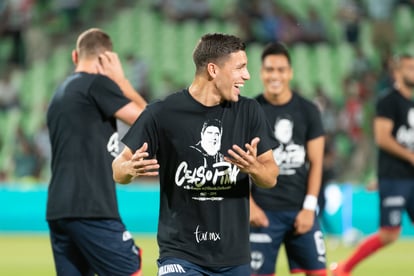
[341, 51]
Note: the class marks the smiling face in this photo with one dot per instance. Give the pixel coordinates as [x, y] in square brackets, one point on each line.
[276, 74]
[230, 75]
[405, 73]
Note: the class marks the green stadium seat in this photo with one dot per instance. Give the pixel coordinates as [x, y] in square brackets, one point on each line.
[58, 67]
[88, 9]
[300, 11]
[325, 74]
[6, 46]
[303, 69]
[221, 9]
[10, 127]
[366, 43]
[253, 86]
[403, 24]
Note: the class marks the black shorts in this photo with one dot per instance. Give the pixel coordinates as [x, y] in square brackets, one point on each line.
[305, 253]
[179, 267]
[89, 247]
[396, 196]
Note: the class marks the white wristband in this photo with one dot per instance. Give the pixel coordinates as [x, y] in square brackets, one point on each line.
[310, 202]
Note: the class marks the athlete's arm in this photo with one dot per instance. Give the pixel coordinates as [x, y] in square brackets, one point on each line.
[128, 165]
[384, 139]
[258, 217]
[128, 113]
[262, 169]
[130, 92]
[110, 66]
[315, 150]
[305, 218]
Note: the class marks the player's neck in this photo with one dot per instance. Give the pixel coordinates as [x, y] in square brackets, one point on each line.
[87, 67]
[278, 98]
[204, 94]
[405, 91]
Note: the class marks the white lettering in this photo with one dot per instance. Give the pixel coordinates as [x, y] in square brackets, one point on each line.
[395, 201]
[170, 268]
[289, 158]
[260, 238]
[113, 144]
[405, 136]
[222, 173]
[206, 236]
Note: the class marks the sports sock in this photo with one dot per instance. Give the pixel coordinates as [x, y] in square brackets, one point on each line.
[365, 249]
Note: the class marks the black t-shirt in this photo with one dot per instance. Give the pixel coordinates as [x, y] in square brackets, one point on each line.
[401, 111]
[204, 211]
[293, 124]
[82, 130]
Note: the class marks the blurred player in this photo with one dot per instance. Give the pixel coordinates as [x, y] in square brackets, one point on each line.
[204, 211]
[394, 136]
[86, 231]
[285, 214]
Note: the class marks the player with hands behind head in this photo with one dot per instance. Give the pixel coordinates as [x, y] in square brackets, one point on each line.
[87, 234]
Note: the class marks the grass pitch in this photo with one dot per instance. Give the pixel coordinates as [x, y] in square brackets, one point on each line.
[31, 255]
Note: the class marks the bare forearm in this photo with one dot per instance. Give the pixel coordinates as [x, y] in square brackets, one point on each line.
[393, 147]
[119, 173]
[131, 93]
[314, 180]
[387, 142]
[315, 153]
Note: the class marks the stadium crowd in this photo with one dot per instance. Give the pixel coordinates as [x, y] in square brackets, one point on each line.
[29, 29]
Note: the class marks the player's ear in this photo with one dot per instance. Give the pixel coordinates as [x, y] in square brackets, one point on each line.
[212, 70]
[75, 57]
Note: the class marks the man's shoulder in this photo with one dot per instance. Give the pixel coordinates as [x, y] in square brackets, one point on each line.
[389, 97]
[299, 97]
[243, 104]
[172, 98]
[306, 103]
[243, 100]
[90, 82]
[175, 99]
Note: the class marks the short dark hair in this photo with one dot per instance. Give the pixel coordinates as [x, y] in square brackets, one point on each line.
[212, 122]
[276, 48]
[215, 47]
[93, 42]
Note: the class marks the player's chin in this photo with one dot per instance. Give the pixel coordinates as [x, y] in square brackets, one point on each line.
[235, 97]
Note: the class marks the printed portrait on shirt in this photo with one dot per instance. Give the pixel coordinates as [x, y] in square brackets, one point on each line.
[289, 155]
[204, 170]
[405, 133]
[210, 143]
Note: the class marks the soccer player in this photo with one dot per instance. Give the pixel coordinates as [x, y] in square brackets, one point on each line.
[203, 226]
[285, 214]
[393, 132]
[87, 234]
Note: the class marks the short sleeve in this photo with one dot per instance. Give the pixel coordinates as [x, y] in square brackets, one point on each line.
[144, 130]
[262, 129]
[315, 122]
[384, 107]
[107, 95]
